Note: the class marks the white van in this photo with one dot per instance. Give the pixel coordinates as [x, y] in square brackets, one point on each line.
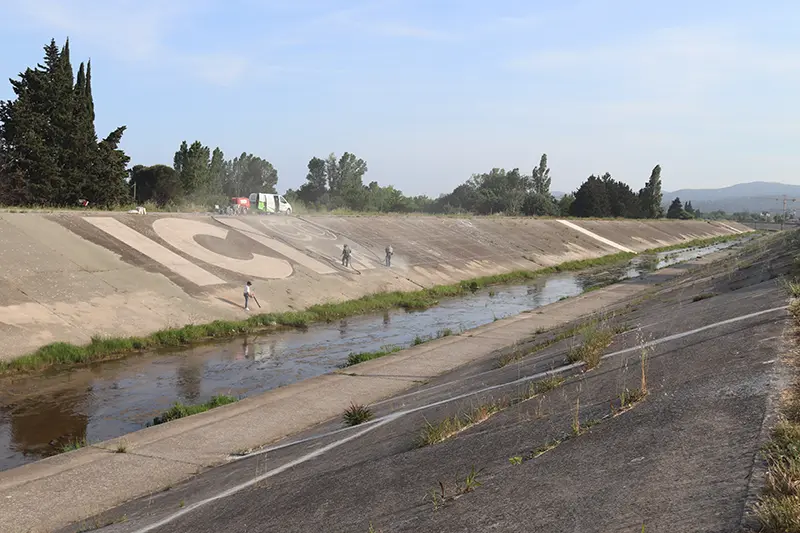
[270, 203]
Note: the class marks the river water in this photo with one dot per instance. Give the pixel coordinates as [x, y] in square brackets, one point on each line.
[41, 413]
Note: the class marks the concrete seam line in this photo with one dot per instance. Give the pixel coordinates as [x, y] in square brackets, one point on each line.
[514, 382]
[266, 475]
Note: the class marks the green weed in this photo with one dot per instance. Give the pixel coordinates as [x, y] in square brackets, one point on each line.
[471, 482]
[357, 414]
[73, 444]
[596, 338]
[628, 397]
[793, 287]
[451, 426]
[355, 358]
[545, 385]
[546, 447]
[180, 410]
[516, 460]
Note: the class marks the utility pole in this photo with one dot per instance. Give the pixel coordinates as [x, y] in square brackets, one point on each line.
[785, 199]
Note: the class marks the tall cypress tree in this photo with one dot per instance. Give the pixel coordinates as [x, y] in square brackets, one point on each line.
[48, 144]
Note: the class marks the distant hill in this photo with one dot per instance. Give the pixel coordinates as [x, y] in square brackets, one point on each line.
[755, 197]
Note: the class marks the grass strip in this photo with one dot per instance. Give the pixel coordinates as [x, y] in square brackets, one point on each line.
[180, 410]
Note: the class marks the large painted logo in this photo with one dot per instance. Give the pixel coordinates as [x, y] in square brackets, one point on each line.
[182, 234]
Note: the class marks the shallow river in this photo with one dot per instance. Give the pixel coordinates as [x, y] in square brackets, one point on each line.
[39, 414]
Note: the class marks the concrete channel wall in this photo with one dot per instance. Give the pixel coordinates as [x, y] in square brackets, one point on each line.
[69, 276]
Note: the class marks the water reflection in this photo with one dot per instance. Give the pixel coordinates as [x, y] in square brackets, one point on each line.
[106, 400]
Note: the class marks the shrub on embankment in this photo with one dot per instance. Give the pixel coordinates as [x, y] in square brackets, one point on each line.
[104, 348]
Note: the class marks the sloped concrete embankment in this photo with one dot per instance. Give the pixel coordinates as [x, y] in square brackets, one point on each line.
[68, 276]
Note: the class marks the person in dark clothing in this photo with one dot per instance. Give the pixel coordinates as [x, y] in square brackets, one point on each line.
[389, 254]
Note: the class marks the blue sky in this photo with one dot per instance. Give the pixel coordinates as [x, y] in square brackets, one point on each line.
[429, 92]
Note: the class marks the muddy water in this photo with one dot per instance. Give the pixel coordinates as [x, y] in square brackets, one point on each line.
[39, 414]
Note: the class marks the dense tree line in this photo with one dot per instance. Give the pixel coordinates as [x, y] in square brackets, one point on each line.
[49, 151]
[50, 155]
[201, 175]
[338, 183]
[607, 197]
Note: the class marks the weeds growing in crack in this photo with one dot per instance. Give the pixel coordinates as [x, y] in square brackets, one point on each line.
[546, 447]
[122, 447]
[703, 296]
[596, 338]
[452, 425]
[357, 414]
[472, 482]
[439, 496]
[793, 288]
[576, 418]
[545, 385]
[516, 460]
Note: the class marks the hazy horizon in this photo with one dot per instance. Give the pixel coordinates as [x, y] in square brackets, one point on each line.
[430, 94]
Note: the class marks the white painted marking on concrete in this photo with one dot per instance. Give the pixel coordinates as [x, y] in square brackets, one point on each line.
[287, 251]
[180, 233]
[692, 332]
[378, 422]
[595, 236]
[155, 251]
[266, 475]
[732, 228]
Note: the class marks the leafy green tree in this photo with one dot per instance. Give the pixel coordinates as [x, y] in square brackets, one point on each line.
[537, 204]
[217, 171]
[541, 178]
[464, 198]
[564, 204]
[192, 163]
[623, 202]
[249, 174]
[591, 199]
[345, 181]
[109, 188]
[675, 209]
[688, 207]
[651, 197]
[315, 188]
[158, 183]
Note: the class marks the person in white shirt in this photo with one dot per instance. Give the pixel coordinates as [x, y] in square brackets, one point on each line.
[248, 292]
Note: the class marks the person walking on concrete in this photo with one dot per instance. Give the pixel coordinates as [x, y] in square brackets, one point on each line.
[389, 254]
[346, 255]
[248, 292]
